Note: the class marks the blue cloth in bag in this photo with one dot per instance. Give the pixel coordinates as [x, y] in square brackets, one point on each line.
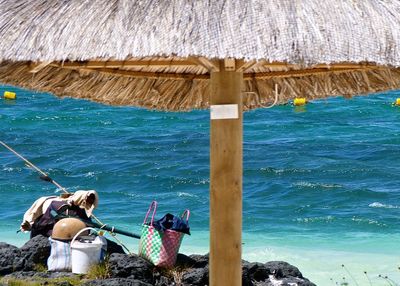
[172, 222]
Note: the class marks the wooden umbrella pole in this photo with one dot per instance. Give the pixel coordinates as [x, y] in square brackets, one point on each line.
[226, 132]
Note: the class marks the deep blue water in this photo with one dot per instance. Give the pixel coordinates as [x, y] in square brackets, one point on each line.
[324, 175]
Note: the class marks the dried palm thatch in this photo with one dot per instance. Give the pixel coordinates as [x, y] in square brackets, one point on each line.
[308, 31]
[192, 91]
[158, 54]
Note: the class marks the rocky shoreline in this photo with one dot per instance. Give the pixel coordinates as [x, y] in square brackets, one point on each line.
[26, 264]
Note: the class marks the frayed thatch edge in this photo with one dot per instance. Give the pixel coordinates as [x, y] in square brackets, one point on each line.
[188, 94]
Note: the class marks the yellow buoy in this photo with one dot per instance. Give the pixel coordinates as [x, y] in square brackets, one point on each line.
[299, 101]
[10, 95]
[397, 102]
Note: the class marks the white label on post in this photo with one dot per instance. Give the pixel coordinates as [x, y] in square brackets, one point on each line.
[225, 111]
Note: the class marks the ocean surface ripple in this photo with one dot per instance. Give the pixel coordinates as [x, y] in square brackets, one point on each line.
[325, 170]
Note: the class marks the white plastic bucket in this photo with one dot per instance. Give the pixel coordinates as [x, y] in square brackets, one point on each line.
[84, 254]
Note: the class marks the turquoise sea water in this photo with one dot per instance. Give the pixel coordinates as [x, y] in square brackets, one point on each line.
[321, 182]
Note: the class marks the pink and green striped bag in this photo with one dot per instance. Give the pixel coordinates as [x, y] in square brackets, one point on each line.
[160, 248]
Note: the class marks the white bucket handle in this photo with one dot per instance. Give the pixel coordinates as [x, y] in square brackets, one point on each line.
[82, 230]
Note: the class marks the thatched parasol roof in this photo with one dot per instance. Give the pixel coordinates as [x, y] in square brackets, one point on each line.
[158, 54]
[184, 54]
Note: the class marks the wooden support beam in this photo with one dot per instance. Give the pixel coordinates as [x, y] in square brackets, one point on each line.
[240, 67]
[127, 64]
[246, 65]
[300, 73]
[347, 65]
[39, 66]
[140, 74]
[264, 63]
[226, 178]
[209, 65]
[325, 66]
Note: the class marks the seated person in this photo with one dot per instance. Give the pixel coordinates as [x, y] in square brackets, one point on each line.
[46, 211]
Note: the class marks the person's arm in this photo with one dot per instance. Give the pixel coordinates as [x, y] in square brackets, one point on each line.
[32, 214]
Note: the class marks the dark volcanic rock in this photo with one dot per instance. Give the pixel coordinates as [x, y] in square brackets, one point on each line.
[35, 251]
[132, 270]
[10, 259]
[195, 276]
[281, 269]
[274, 272]
[286, 282]
[258, 271]
[31, 275]
[184, 261]
[197, 270]
[132, 266]
[246, 278]
[113, 247]
[160, 280]
[296, 281]
[199, 260]
[116, 282]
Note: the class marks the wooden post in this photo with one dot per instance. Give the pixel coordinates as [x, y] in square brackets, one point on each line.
[226, 176]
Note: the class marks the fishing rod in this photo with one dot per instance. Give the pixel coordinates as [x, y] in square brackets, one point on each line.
[91, 223]
[45, 177]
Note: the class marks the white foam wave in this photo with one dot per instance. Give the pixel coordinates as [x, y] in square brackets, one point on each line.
[274, 282]
[368, 221]
[183, 194]
[316, 185]
[380, 205]
[202, 182]
[328, 218]
[128, 194]
[89, 174]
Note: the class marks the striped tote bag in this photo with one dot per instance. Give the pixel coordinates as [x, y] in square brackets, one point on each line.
[159, 247]
[60, 256]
